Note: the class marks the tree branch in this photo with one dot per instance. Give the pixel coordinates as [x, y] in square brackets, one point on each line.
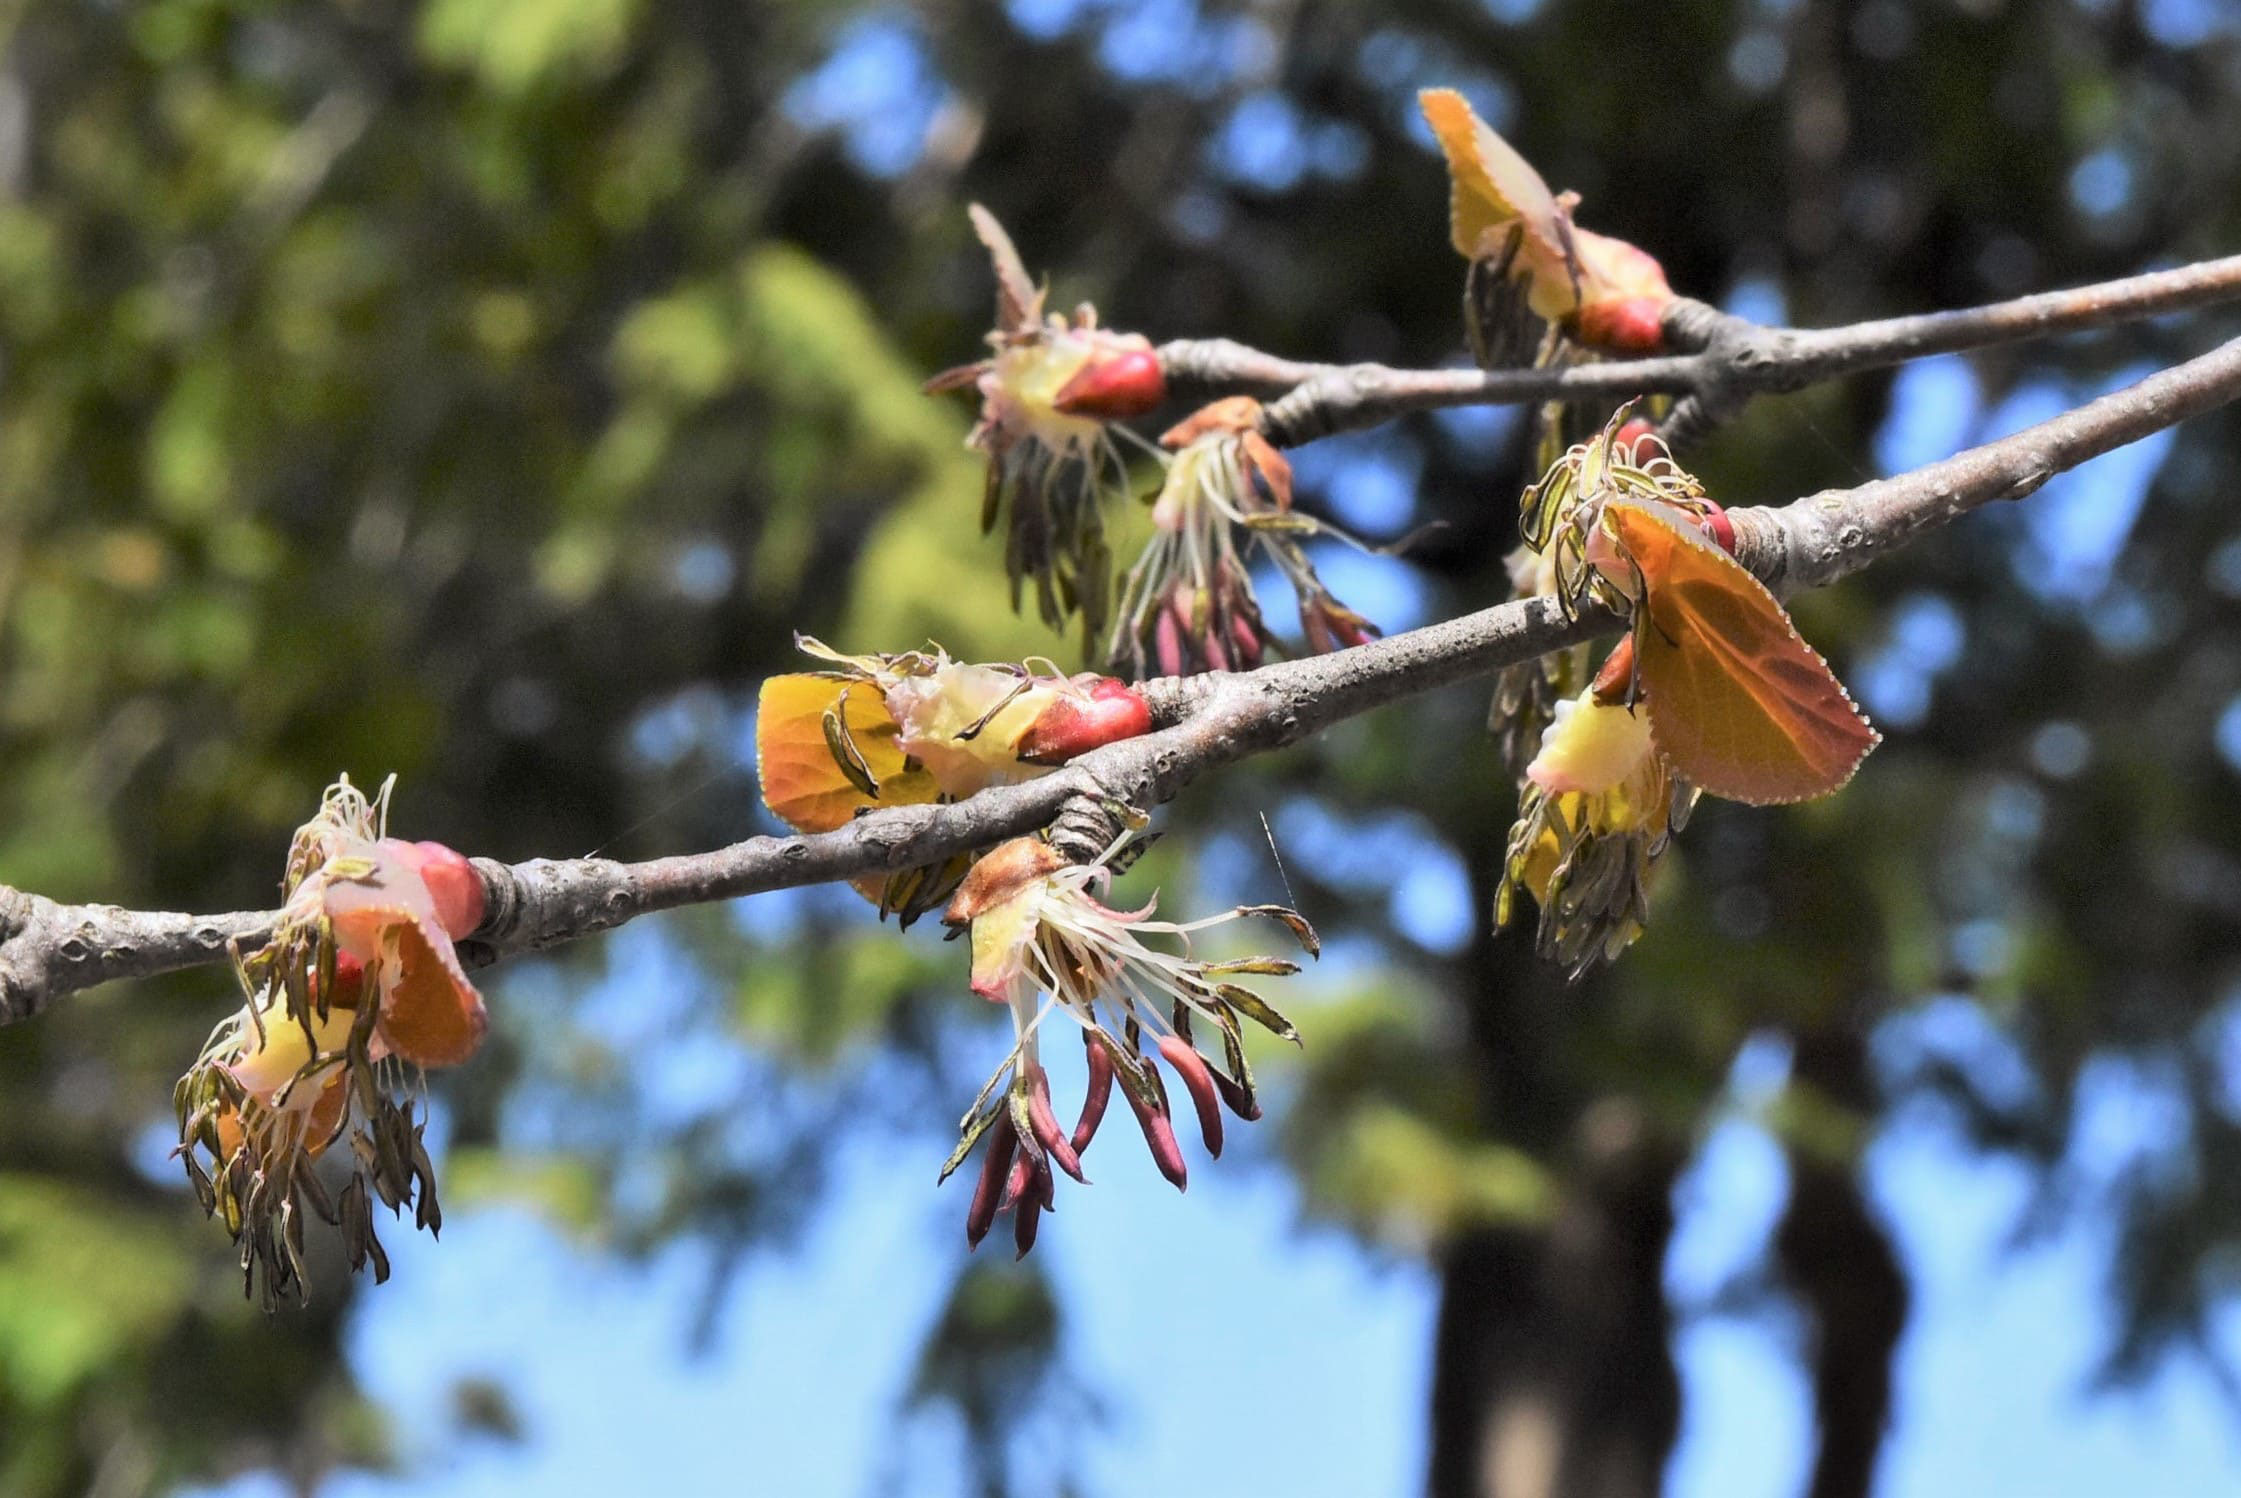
[1722, 362]
[48, 950]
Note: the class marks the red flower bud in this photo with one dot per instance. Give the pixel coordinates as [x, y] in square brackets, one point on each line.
[1069, 726]
[1716, 525]
[1624, 325]
[1622, 442]
[1192, 1068]
[1122, 385]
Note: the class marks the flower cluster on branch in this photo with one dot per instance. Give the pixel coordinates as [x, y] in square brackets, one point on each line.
[935, 784]
[356, 993]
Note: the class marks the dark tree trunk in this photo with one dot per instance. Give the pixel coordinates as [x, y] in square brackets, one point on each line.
[1840, 1263]
[1553, 1374]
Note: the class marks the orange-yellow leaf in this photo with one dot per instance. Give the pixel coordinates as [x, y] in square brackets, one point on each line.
[1496, 191]
[430, 1014]
[802, 782]
[322, 1122]
[1738, 703]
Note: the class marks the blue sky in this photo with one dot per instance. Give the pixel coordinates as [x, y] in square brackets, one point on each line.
[795, 1397]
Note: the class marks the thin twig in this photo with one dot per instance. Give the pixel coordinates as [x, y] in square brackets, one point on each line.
[1722, 362]
[48, 950]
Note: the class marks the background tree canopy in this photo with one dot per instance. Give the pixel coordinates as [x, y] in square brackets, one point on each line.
[483, 390]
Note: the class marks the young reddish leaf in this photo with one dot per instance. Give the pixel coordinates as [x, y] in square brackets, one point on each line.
[389, 919]
[1738, 703]
[1614, 679]
[1198, 1081]
[1098, 1094]
[1159, 1136]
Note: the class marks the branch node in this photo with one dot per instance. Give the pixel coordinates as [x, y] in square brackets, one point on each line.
[1087, 825]
[1174, 698]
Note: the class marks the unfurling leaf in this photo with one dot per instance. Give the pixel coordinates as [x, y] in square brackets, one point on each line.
[1499, 208]
[1520, 240]
[1739, 704]
[804, 782]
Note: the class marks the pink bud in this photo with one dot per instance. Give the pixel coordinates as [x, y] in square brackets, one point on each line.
[1167, 644]
[452, 882]
[1245, 640]
[1094, 1100]
[1046, 1126]
[1159, 1136]
[1024, 1222]
[1624, 325]
[1191, 1067]
[1017, 1184]
[1122, 385]
[994, 1167]
[1216, 656]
